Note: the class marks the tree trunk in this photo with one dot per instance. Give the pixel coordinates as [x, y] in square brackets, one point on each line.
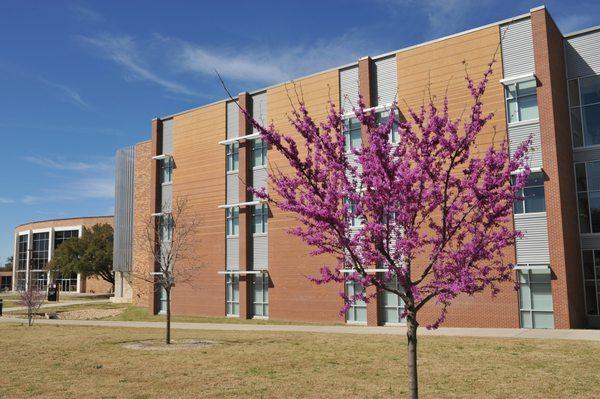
[168, 333]
[29, 316]
[411, 334]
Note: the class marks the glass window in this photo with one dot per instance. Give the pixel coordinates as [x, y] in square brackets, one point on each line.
[584, 100]
[355, 220]
[259, 153]
[22, 252]
[382, 118]
[358, 310]
[392, 306]
[534, 195]
[166, 166]
[521, 101]
[352, 134]
[233, 156]
[587, 175]
[535, 298]
[166, 227]
[232, 217]
[260, 216]
[260, 295]
[39, 255]
[591, 278]
[232, 295]
[62, 236]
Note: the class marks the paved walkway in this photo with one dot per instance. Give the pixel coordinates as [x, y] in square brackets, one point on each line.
[590, 335]
[57, 304]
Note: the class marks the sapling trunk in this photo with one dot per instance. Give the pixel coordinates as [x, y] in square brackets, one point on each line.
[168, 332]
[411, 334]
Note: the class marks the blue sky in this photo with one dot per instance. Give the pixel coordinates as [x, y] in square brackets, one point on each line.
[79, 79]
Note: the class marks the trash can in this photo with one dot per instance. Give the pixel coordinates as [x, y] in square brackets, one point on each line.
[53, 293]
[1, 307]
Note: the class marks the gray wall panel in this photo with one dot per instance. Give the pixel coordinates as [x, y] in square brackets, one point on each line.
[167, 131]
[233, 253]
[533, 247]
[123, 223]
[349, 88]
[386, 80]
[583, 55]
[259, 108]
[517, 48]
[518, 134]
[233, 120]
[260, 252]
[233, 191]
[259, 178]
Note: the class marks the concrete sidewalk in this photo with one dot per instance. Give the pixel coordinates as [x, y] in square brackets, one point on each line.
[589, 335]
[56, 304]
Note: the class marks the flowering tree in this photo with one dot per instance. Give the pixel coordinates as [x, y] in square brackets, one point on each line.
[31, 299]
[428, 208]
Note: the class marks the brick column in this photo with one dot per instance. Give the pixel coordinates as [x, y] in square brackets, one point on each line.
[561, 208]
[365, 69]
[155, 202]
[245, 233]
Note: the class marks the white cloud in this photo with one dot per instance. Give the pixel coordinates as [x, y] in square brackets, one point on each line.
[574, 22]
[86, 14]
[59, 163]
[4, 200]
[69, 93]
[76, 190]
[123, 51]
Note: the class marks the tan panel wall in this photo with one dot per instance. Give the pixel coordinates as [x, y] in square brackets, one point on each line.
[199, 176]
[292, 296]
[143, 292]
[85, 221]
[437, 69]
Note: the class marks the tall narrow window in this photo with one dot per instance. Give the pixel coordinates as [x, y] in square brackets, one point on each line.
[584, 101]
[534, 195]
[166, 228]
[260, 217]
[166, 166]
[587, 177]
[357, 313]
[39, 260]
[392, 307]
[535, 298]
[352, 134]
[260, 295]
[521, 101]
[355, 219]
[232, 295]
[233, 157]
[259, 153]
[232, 216]
[591, 278]
[382, 118]
[21, 274]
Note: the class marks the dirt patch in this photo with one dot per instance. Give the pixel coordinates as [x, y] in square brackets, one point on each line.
[175, 345]
[89, 314]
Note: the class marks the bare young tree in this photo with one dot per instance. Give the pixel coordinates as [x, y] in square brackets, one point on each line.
[167, 238]
[32, 298]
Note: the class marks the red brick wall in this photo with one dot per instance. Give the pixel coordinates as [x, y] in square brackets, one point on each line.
[561, 208]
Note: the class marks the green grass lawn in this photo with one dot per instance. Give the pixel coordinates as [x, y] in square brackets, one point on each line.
[90, 362]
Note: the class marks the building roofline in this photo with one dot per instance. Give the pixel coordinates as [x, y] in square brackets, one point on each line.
[58, 219]
[582, 31]
[376, 57]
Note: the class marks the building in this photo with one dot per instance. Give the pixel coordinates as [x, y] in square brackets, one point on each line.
[545, 84]
[5, 280]
[35, 243]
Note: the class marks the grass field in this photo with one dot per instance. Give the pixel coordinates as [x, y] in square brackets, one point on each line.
[90, 362]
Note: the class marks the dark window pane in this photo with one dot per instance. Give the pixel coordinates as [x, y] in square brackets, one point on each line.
[593, 176]
[576, 128]
[588, 265]
[590, 298]
[573, 92]
[591, 124]
[594, 199]
[584, 213]
[580, 176]
[535, 179]
[590, 89]
[534, 200]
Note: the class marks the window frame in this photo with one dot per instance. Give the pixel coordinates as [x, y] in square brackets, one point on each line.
[351, 313]
[516, 98]
[586, 193]
[263, 301]
[263, 213]
[579, 108]
[166, 170]
[523, 194]
[394, 137]
[232, 221]
[348, 132]
[530, 310]
[259, 151]
[232, 285]
[232, 163]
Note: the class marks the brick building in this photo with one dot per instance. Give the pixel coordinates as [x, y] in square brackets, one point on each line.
[34, 246]
[545, 84]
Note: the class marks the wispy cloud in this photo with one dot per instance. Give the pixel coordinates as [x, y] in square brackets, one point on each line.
[574, 22]
[123, 51]
[66, 92]
[4, 200]
[76, 190]
[86, 14]
[267, 64]
[60, 163]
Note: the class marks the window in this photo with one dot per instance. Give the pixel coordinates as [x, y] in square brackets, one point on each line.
[232, 295]
[392, 306]
[591, 278]
[166, 166]
[260, 216]
[67, 283]
[358, 310]
[534, 195]
[22, 252]
[39, 280]
[259, 153]
[535, 298]
[232, 217]
[352, 134]
[355, 220]
[521, 101]
[584, 102]
[166, 228]
[587, 179]
[62, 236]
[39, 255]
[382, 118]
[233, 157]
[260, 295]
